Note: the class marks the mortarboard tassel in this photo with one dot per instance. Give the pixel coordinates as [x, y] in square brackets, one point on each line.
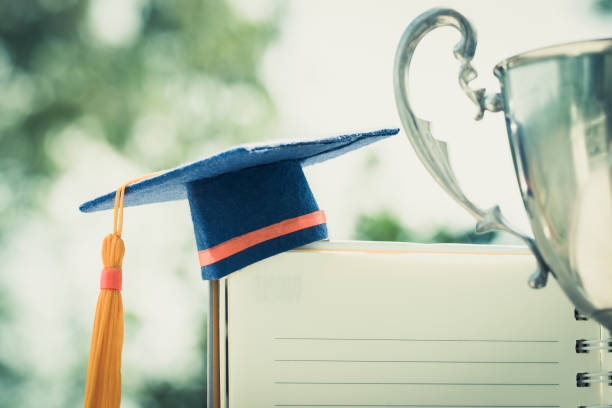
[103, 386]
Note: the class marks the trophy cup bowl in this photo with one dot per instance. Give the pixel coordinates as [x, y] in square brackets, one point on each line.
[557, 102]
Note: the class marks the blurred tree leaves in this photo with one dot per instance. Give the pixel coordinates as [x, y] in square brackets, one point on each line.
[187, 76]
[11, 376]
[190, 392]
[10, 380]
[383, 225]
[161, 394]
[182, 75]
[604, 6]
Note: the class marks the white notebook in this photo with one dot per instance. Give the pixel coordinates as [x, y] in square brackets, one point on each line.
[363, 324]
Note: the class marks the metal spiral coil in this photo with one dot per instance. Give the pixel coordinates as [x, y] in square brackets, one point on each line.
[586, 379]
[584, 346]
[595, 406]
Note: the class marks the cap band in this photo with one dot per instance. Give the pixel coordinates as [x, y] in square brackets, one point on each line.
[110, 279]
[233, 246]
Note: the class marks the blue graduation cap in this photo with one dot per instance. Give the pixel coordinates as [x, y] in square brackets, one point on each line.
[247, 203]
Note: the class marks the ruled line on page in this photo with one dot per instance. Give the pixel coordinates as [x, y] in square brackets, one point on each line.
[419, 405]
[415, 383]
[417, 340]
[412, 361]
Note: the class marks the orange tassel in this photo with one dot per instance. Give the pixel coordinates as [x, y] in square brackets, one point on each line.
[103, 386]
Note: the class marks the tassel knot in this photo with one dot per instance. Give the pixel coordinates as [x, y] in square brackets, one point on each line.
[112, 251]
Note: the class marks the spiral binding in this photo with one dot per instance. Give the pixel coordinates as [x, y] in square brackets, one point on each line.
[595, 406]
[585, 379]
[584, 346]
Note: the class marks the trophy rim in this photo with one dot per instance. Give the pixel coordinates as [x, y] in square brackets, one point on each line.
[571, 49]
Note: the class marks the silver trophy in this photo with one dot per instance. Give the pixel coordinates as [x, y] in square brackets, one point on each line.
[558, 107]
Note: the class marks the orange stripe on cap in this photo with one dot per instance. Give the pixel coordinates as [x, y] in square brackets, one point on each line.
[110, 279]
[233, 246]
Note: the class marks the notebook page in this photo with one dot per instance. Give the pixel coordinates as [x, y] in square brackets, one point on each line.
[401, 325]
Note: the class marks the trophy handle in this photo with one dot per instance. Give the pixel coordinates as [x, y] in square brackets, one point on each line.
[433, 152]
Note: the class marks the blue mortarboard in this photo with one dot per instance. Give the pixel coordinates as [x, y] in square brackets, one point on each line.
[247, 203]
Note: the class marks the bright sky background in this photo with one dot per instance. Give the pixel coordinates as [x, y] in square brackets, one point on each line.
[330, 72]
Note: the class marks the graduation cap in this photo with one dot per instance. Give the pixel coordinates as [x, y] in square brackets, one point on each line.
[247, 204]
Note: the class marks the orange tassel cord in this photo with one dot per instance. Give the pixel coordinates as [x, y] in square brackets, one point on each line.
[103, 386]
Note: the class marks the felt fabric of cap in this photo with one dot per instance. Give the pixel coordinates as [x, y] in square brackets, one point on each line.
[247, 203]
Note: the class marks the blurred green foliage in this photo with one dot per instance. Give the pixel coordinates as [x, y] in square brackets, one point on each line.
[153, 80]
[384, 225]
[11, 376]
[185, 73]
[604, 6]
[190, 392]
[381, 226]
[164, 394]
[10, 380]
